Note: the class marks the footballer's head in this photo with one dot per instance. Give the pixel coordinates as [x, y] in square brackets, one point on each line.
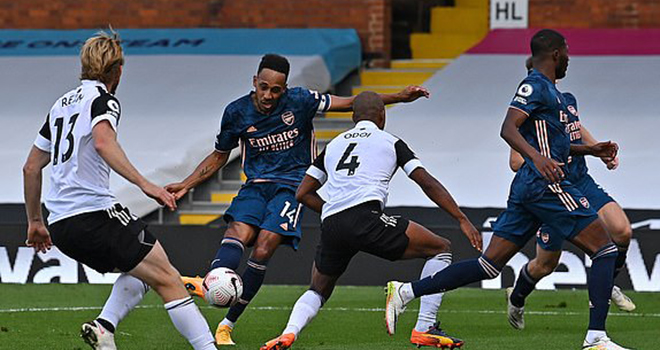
[368, 105]
[102, 58]
[549, 45]
[270, 82]
[529, 63]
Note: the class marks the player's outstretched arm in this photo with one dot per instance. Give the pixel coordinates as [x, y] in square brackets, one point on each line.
[440, 196]
[106, 145]
[307, 195]
[409, 94]
[549, 168]
[37, 235]
[209, 166]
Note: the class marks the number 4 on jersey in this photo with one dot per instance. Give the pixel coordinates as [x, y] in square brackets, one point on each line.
[352, 165]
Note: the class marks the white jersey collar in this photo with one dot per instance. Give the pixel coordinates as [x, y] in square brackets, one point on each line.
[94, 83]
[368, 124]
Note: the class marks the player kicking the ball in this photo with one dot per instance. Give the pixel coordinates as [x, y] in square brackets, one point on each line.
[79, 139]
[274, 126]
[348, 184]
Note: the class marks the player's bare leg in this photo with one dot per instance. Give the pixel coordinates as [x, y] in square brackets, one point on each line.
[164, 279]
[618, 226]
[237, 236]
[305, 309]
[424, 243]
[595, 241]
[616, 222]
[265, 245]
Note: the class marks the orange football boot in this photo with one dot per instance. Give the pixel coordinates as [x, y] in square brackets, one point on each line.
[193, 285]
[282, 342]
[435, 337]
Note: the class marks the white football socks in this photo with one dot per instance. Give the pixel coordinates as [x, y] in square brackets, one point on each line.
[190, 323]
[303, 312]
[406, 293]
[594, 336]
[429, 304]
[226, 322]
[126, 293]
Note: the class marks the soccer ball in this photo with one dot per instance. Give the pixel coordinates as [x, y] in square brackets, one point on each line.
[222, 287]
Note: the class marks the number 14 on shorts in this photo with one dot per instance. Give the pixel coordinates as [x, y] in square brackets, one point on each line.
[292, 215]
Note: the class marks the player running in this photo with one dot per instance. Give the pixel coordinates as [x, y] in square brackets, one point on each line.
[348, 184]
[86, 223]
[535, 126]
[273, 125]
[613, 217]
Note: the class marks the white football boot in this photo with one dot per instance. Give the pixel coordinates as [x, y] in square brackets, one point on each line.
[97, 337]
[395, 305]
[621, 300]
[602, 343]
[516, 314]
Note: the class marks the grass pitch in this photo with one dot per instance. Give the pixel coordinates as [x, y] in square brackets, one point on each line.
[49, 317]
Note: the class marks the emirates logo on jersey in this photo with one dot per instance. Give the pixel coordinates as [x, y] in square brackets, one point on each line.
[288, 118]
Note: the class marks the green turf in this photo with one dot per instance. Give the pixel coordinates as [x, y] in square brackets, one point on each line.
[348, 321]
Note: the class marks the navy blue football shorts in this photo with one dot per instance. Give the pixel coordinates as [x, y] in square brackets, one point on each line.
[270, 206]
[596, 195]
[563, 210]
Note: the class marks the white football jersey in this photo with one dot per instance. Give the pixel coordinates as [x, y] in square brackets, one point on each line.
[357, 166]
[79, 178]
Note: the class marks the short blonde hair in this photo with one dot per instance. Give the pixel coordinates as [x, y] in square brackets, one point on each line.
[101, 56]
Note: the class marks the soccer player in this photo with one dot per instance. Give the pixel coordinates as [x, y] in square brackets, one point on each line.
[274, 127]
[535, 126]
[86, 222]
[355, 170]
[613, 217]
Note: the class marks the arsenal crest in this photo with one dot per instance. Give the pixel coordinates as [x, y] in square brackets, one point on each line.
[584, 202]
[288, 118]
[572, 110]
[545, 237]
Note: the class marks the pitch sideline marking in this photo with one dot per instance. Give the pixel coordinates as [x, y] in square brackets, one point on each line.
[284, 308]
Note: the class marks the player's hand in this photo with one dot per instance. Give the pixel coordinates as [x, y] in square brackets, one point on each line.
[607, 149]
[178, 189]
[549, 168]
[160, 195]
[472, 233]
[413, 92]
[612, 164]
[38, 237]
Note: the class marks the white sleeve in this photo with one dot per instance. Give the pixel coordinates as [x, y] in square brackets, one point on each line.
[317, 173]
[42, 141]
